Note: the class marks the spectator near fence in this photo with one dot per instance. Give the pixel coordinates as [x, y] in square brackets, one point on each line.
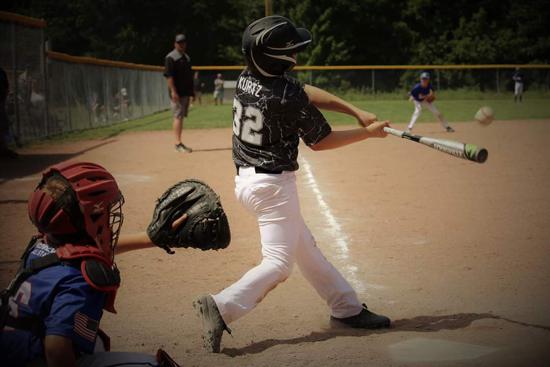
[180, 83]
[4, 91]
[218, 89]
[518, 85]
[198, 85]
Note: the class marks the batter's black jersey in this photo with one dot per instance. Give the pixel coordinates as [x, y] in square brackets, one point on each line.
[270, 115]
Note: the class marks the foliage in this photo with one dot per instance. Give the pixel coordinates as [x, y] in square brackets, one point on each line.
[345, 31]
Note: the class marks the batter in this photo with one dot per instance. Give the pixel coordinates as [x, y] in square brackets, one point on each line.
[271, 113]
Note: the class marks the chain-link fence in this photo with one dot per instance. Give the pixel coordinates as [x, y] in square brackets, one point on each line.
[22, 58]
[53, 93]
[476, 79]
[83, 95]
[464, 81]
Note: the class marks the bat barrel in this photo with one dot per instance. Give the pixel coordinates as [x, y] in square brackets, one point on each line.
[466, 151]
[475, 154]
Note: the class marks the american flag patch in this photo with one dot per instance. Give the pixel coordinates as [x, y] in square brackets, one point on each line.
[85, 326]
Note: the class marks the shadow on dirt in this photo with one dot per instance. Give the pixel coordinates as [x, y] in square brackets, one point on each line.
[30, 164]
[131, 126]
[211, 149]
[422, 324]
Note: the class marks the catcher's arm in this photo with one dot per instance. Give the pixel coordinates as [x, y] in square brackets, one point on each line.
[327, 101]
[140, 240]
[59, 351]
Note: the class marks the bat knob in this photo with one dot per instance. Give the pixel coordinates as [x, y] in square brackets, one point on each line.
[481, 155]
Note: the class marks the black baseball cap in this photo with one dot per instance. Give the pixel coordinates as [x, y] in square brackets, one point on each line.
[180, 38]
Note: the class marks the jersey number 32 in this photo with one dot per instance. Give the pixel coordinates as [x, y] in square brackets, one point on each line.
[247, 123]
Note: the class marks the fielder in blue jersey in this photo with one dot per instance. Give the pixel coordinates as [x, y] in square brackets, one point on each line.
[423, 95]
[50, 314]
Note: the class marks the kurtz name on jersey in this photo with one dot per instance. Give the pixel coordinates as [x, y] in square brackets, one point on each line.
[249, 86]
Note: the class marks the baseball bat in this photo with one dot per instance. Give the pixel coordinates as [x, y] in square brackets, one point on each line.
[465, 151]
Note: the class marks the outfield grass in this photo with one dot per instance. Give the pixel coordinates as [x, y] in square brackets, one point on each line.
[398, 111]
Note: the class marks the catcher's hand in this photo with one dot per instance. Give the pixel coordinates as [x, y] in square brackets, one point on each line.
[430, 98]
[189, 214]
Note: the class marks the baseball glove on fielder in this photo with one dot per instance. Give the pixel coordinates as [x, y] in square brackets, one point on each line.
[206, 226]
[430, 99]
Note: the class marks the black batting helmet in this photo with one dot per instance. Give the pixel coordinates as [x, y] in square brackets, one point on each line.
[270, 45]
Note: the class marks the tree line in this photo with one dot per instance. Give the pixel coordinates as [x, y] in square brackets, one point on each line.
[375, 32]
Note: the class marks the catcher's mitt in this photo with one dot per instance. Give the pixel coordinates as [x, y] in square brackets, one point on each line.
[206, 226]
[430, 98]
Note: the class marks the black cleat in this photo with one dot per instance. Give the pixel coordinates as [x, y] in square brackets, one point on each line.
[183, 148]
[364, 320]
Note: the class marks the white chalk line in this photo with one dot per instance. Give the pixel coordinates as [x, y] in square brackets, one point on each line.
[334, 229]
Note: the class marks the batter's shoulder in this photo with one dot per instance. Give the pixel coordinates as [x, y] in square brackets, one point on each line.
[292, 93]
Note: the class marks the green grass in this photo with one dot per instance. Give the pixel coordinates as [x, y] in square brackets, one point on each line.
[395, 110]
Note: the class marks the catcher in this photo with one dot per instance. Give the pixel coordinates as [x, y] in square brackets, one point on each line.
[51, 311]
[423, 95]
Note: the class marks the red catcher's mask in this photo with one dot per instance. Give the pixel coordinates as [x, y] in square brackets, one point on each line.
[88, 212]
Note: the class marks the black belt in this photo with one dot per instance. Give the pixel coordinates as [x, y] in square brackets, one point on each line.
[262, 170]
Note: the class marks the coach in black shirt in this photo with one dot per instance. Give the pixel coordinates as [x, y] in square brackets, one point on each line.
[178, 73]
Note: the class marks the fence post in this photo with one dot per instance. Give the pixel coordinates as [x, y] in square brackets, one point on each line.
[67, 103]
[106, 98]
[498, 83]
[437, 79]
[15, 82]
[372, 81]
[142, 90]
[43, 65]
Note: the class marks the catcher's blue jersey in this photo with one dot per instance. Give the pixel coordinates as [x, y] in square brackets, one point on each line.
[419, 92]
[61, 301]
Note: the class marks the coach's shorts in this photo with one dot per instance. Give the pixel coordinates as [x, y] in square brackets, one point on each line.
[180, 109]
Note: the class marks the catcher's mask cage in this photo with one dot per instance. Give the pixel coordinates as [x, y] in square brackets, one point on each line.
[84, 207]
[270, 45]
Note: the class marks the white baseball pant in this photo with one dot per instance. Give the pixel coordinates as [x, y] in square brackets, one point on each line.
[285, 238]
[518, 89]
[430, 106]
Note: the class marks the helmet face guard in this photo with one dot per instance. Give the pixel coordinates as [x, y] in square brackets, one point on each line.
[270, 45]
[84, 208]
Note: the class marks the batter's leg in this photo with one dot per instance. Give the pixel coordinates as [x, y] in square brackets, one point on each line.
[276, 207]
[323, 276]
[415, 115]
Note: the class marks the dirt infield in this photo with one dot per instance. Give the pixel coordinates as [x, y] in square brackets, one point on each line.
[456, 253]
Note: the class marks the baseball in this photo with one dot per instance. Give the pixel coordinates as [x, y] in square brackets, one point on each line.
[485, 115]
